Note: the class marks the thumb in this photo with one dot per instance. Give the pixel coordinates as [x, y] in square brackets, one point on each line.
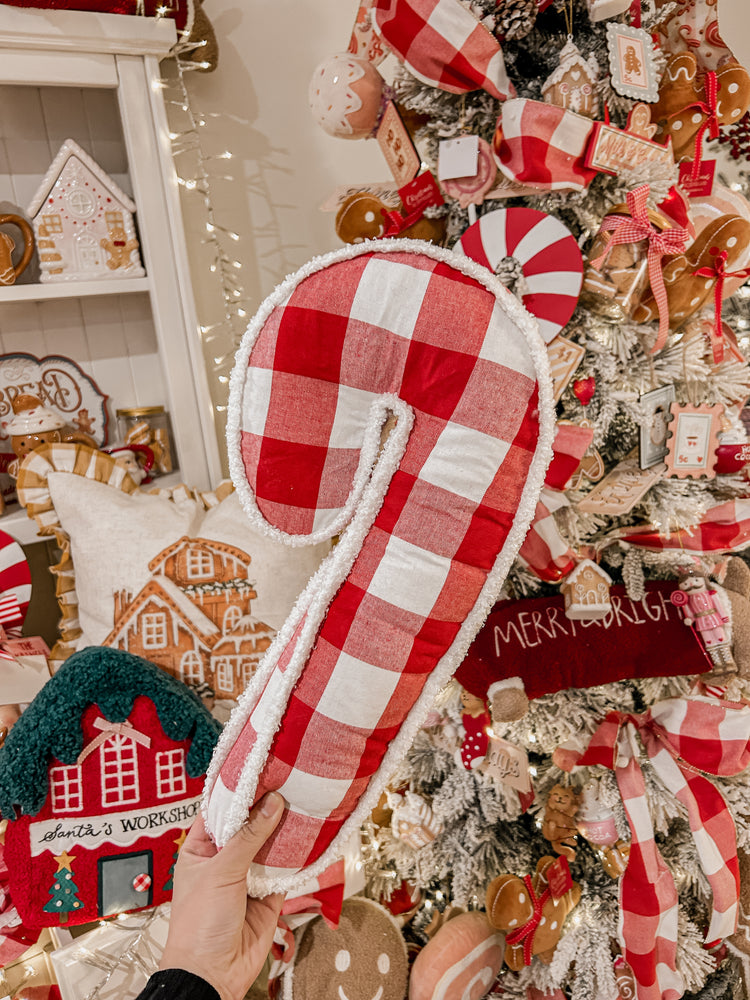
[235, 858]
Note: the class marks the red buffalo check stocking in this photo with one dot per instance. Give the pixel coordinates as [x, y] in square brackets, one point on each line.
[428, 529]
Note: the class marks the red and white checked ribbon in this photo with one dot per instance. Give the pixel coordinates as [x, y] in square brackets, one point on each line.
[324, 899]
[685, 739]
[723, 528]
[661, 243]
[544, 551]
[719, 274]
[109, 729]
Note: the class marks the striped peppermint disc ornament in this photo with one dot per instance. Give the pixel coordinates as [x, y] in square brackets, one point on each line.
[15, 585]
[551, 262]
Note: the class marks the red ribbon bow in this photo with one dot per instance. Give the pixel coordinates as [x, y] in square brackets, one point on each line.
[396, 223]
[720, 274]
[685, 740]
[661, 243]
[526, 933]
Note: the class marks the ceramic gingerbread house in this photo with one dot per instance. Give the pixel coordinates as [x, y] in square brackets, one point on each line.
[192, 618]
[100, 779]
[83, 222]
[572, 84]
[586, 592]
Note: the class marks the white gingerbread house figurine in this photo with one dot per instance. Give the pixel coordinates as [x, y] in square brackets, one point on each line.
[572, 85]
[83, 222]
[586, 592]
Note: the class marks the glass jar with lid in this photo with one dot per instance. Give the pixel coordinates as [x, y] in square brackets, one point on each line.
[149, 426]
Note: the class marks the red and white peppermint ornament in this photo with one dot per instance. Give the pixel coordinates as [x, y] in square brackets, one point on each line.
[547, 252]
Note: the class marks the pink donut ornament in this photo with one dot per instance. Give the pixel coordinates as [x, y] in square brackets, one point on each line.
[460, 963]
[345, 96]
[471, 190]
[722, 201]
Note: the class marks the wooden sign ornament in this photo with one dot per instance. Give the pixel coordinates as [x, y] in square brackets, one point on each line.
[429, 526]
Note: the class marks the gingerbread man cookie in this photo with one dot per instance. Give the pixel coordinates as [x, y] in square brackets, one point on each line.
[119, 248]
[683, 99]
[687, 292]
[363, 216]
[514, 904]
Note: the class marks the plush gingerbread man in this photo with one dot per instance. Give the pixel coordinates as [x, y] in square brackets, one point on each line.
[532, 910]
[119, 248]
[684, 101]
[687, 291]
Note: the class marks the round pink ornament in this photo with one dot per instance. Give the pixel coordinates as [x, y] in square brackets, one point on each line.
[345, 96]
[471, 190]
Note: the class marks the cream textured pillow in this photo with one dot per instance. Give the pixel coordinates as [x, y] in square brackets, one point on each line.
[176, 577]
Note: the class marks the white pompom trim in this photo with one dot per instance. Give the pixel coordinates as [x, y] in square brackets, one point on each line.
[371, 481]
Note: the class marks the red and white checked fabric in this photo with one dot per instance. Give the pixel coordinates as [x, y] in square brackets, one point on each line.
[15, 585]
[543, 146]
[723, 528]
[551, 262]
[142, 882]
[682, 737]
[398, 326]
[544, 551]
[661, 243]
[443, 45]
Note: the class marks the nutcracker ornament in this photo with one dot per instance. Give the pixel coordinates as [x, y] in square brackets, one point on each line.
[702, 609]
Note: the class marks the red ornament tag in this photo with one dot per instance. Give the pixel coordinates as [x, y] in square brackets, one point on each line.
[559, 878]
[701, 186]
[420, 193]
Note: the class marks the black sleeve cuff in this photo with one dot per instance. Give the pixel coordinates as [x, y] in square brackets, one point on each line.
[177, 984]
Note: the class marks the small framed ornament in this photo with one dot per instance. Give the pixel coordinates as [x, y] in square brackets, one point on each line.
[397, 147]
[621, 490]
[564, 358]
[694, 440]
[631, 62]
[612, 149]
[653, 446]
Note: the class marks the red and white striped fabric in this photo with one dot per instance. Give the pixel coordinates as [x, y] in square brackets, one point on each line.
[429, 529]
[723, 528]
[15, 585]
[682, 737]
[551, 262]
[543, 146]
[443, 45]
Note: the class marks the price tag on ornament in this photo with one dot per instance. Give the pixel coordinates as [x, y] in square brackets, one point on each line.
[701, 186]
[559, 878]
[507, 763]
[398, 149]
[458, 157]
[631, 62]
[365, 42]
[420, 193]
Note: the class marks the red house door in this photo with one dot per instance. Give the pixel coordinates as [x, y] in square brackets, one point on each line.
[125, 882]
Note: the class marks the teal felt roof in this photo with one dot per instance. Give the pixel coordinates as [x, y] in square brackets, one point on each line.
[112, 679]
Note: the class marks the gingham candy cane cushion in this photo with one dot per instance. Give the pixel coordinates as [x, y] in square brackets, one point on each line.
[429, 528]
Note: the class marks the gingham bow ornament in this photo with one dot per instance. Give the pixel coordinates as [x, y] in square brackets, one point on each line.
[686, 739]
[661, 243]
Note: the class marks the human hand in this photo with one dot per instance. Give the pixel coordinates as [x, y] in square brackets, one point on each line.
[215, 930]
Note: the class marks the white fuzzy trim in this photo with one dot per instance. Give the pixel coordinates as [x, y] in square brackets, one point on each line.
[316, 597]
[505, 685]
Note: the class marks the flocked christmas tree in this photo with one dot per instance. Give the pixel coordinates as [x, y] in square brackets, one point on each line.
[587, 725]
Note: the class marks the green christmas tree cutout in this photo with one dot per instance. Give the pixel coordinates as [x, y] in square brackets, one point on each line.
[64, 891]
[167, 887]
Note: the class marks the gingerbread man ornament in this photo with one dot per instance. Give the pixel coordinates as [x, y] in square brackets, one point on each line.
[532, 910]
[684, 105]
[688, 291]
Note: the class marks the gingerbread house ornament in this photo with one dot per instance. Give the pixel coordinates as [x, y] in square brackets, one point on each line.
[572, 84]
[83, 221]
[586, 592]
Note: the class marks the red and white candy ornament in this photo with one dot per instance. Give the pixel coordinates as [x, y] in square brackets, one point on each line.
[547, 251]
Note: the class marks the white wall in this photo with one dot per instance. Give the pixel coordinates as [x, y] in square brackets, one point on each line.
[285, 164]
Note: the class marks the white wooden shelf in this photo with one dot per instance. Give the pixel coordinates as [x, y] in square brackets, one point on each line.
[72, 289]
